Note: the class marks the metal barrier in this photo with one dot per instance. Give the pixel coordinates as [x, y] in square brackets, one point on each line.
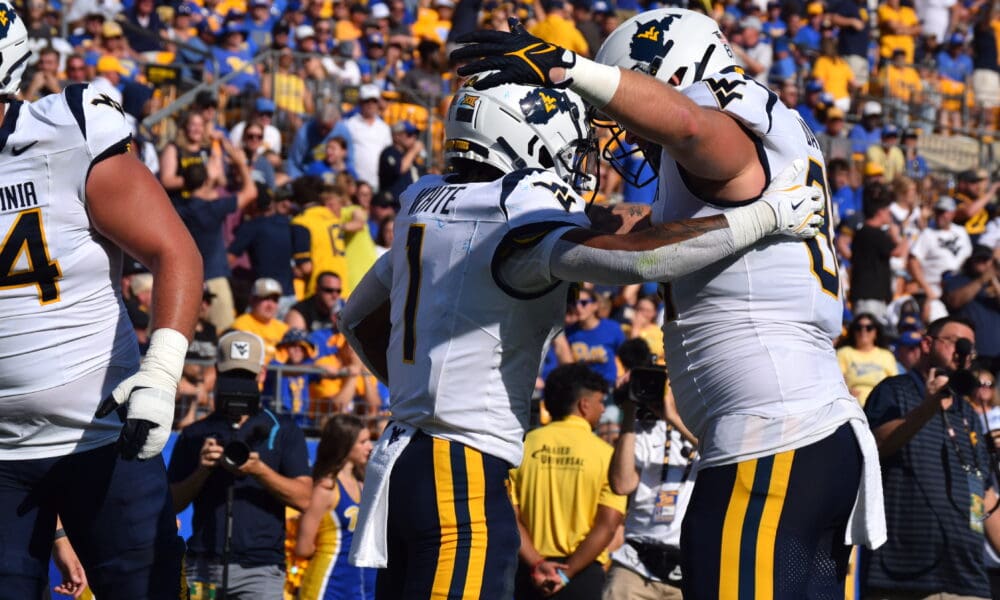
[313, 419]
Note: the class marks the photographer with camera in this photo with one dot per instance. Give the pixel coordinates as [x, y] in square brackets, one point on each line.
[937, 474]
[240, 466]
[654, 463]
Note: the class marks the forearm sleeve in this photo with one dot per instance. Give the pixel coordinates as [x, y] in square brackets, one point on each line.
[577, 262]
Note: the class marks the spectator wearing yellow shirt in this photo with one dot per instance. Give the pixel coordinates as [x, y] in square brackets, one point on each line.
[262, 318]
[863, 357]
[888, 154]
[557, 28]
[835, 74]
[900, 80]
[566, 510]
[899, 27]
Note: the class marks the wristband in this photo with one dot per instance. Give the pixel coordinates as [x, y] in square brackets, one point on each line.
[562, 577]
[594, 81]
[60, 534]
[748, 224]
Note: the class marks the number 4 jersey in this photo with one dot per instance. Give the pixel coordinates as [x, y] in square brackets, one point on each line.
[465, 347]
[748, 340]
[63, 324]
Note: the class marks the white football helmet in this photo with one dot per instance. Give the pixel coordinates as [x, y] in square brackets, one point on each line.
[14, 51]
[678, 47]
[675, 45]
[515, 127]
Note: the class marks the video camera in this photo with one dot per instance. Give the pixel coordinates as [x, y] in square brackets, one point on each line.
[235, 397]
[961, 381]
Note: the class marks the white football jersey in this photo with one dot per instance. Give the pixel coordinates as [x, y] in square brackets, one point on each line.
[465, 347]
[63, 320]
[751, 335]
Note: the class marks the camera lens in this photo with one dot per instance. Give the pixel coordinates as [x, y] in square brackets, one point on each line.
[236, 453]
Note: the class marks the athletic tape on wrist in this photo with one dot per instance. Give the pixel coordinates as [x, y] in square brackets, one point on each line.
[597, 83]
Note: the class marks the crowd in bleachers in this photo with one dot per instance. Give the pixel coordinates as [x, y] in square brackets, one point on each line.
[284, 132]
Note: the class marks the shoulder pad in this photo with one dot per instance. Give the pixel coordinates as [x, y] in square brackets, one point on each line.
[533, 195]
[100, 117]
[739, 95]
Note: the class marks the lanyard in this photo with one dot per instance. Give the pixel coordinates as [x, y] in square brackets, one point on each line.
[665, 469]
[958, 450]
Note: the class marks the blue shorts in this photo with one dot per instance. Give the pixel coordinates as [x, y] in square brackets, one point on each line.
[118, 515]
[452, 533]
[773, 527]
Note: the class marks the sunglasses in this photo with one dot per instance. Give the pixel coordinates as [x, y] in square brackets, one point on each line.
[330, 290]
[584, 302]
[865, 327]
[253, 136]
[987, 384]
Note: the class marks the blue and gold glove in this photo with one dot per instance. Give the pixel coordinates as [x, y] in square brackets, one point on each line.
[517, 57]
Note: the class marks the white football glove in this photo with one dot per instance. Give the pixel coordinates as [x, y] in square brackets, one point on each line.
[798, 208]
[148, 396]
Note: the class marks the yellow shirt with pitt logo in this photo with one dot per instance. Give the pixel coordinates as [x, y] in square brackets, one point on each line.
[562, 480]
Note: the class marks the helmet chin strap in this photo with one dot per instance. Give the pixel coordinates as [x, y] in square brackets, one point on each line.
[515, 158]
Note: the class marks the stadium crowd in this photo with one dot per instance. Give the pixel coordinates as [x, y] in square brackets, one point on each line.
[284, 132]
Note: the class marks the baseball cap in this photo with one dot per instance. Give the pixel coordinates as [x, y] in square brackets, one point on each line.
[873, 169]
[980, 252]
[111, 29]
[303, 32]
[264, 105]
[346, 49]
[910, 134]
[240, 350]
[264, 287]
[141, 282]
[380, 11]
[750, 23]
[111, 63]
[871, 108]
[184, 10]
[945, 203]
[369, 91]
[910, 323]
[814, 85]
[405, 127]
[956, 39]
[834, 113]
[890, 131]
[973, 175]
[602, 8]
[296, 336]
[205, 99]
[909, 338]
[256, 3]
[814, 8]
[444, 3]
[375, 39]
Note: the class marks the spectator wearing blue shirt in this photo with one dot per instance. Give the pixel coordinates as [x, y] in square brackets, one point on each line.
[810, 106]
[267, 239]
[953, 62]
[234, 55]
[916, 165]
[774, 26]
[784, 66]
[594, 340]
[259, 25]
[297, 350]
[333, 163]
[807, 38]
[310, 140]
[869, 131]
[373, 63]
[203, 210]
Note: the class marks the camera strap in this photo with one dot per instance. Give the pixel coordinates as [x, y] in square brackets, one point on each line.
[950, 431]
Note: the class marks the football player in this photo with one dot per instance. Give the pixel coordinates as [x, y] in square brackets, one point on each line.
[787, 458]
[455, 317]
[72, 197]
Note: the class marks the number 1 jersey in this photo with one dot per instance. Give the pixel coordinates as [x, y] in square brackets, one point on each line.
[465, 347]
